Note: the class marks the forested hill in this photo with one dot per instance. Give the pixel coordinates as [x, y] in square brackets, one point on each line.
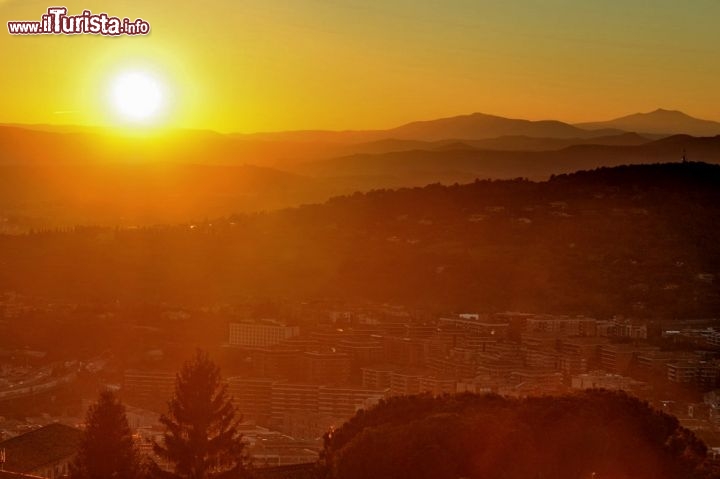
[637, 240]
[584, 435]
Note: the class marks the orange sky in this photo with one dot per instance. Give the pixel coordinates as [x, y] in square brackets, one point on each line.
[258, 65]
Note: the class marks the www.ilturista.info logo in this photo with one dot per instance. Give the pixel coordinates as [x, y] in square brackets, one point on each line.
[58, 22]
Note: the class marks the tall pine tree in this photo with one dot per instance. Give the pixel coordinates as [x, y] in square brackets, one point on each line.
[201, 439]
[106, 449]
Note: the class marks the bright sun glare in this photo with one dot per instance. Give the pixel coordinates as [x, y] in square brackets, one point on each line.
[136, 96]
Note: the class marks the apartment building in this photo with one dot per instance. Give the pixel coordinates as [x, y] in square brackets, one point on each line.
[261, 333]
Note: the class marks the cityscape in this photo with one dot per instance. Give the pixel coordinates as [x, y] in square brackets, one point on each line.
[306, 371]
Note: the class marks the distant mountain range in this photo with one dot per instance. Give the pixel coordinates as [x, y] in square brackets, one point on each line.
[23, 143]
[89, 175]
[475, 126]
[480, 126]
[460, 162]
[661, 122]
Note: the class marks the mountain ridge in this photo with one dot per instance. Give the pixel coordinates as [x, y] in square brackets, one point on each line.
[624, 124]
[659, 121]
[473, 126]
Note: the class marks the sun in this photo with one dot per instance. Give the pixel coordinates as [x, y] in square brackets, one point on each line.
[136, 96]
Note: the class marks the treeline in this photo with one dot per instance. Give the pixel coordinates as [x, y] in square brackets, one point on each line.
[201, 439]
[637, 240]
[593, 434]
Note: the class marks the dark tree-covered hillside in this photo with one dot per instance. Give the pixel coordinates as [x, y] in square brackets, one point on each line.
[637, 240]
[593, 434]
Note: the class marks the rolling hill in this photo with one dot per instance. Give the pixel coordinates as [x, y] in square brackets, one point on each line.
[502, 143]
[479, 126]
[460, 162]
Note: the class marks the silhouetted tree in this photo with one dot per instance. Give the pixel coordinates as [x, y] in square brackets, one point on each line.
[106, 448]
[201, 438]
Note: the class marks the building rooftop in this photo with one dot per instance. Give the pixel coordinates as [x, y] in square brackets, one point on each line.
[37, 448]
[16, 475]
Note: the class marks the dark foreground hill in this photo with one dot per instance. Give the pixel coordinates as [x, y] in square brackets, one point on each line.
[593, 434]
[638, 240]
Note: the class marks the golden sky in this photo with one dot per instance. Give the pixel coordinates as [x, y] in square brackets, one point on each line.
[259, 65]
